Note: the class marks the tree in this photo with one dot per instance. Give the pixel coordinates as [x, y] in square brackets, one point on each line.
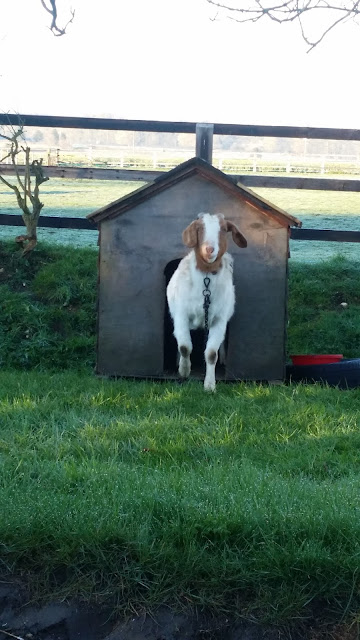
[38, 136]
[330, 14]
[50, 7]
[27, 193]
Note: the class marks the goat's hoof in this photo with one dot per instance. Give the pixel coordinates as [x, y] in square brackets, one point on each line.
[184, 374]
[184, 368]
[210, 386]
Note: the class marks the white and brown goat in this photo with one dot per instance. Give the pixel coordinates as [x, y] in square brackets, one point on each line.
[207, 237]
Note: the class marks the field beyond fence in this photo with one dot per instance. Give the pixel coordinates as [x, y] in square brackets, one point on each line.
[164, 159]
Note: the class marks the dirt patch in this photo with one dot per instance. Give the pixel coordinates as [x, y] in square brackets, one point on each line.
[74, 621]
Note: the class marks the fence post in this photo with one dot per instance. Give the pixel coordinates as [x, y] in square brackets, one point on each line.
[204, 141]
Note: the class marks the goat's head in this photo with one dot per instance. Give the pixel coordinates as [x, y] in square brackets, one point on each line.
[207, 235]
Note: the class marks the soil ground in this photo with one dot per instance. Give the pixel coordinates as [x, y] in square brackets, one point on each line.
[75, 621]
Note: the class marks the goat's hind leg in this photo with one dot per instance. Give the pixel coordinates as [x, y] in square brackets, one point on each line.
[183, 338]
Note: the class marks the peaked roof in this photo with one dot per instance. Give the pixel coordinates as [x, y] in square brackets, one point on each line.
[194, 166]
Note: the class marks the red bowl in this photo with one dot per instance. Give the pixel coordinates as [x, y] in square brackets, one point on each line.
[322, 358]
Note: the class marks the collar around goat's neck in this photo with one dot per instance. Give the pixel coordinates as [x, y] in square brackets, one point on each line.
[207, 267]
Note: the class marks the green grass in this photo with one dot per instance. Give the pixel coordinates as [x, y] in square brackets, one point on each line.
[159, 493]
[144, 493]
[317, 322]
[48, 307]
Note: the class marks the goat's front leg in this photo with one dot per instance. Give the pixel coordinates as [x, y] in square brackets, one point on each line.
[215, 339]
[183, 338]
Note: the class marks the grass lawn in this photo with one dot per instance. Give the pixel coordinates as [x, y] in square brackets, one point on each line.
[247, 501]
[68, 198]
[320, 210]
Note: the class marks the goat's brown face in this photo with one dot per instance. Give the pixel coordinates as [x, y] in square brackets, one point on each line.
[208, 235]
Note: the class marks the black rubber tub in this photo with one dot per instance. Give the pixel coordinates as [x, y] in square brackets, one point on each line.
[344, 374]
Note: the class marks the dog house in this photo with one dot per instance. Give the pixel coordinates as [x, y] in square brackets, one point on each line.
[140, 247]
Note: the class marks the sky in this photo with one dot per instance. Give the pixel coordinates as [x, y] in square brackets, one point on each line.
[171, 60]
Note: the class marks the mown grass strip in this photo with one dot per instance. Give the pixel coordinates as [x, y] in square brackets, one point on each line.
[160, 493]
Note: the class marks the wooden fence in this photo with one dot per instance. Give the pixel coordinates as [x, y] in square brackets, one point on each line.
[203, 148]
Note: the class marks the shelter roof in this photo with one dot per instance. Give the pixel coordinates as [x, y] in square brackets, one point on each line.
[194, 166]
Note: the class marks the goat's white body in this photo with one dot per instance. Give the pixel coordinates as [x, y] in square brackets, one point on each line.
[186, 304]
[185, 292]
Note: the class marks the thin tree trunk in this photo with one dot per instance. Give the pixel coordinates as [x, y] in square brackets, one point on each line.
[31, 222]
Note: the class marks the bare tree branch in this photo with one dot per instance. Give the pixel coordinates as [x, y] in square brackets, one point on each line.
[337, 12]
[14, 149]
[52, 9]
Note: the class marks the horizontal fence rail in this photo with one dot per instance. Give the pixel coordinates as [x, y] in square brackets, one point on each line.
[88, 173]
[54, 222]
[163, 126]
[60, 222]
[278, 182]
[325, 235]
[271, 182]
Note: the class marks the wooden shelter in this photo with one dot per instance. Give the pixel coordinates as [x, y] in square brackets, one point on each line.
[140, 246]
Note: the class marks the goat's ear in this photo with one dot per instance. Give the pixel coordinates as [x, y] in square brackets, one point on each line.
[237, 236]
[190, 236]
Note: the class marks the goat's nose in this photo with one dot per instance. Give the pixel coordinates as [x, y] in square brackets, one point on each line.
[209, 250]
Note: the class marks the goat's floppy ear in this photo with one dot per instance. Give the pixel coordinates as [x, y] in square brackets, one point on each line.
[237, 236]
[189, 235]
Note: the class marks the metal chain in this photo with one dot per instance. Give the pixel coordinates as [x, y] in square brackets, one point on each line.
[206, 305]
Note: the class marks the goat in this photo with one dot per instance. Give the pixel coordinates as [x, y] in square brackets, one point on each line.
[206, 264]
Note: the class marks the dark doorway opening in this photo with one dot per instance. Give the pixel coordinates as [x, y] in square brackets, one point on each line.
[170, 345]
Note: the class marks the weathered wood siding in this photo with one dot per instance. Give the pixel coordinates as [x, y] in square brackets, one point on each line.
[135, 249]
[257, 331]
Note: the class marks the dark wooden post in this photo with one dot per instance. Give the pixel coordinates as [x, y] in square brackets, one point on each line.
[204, 141]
